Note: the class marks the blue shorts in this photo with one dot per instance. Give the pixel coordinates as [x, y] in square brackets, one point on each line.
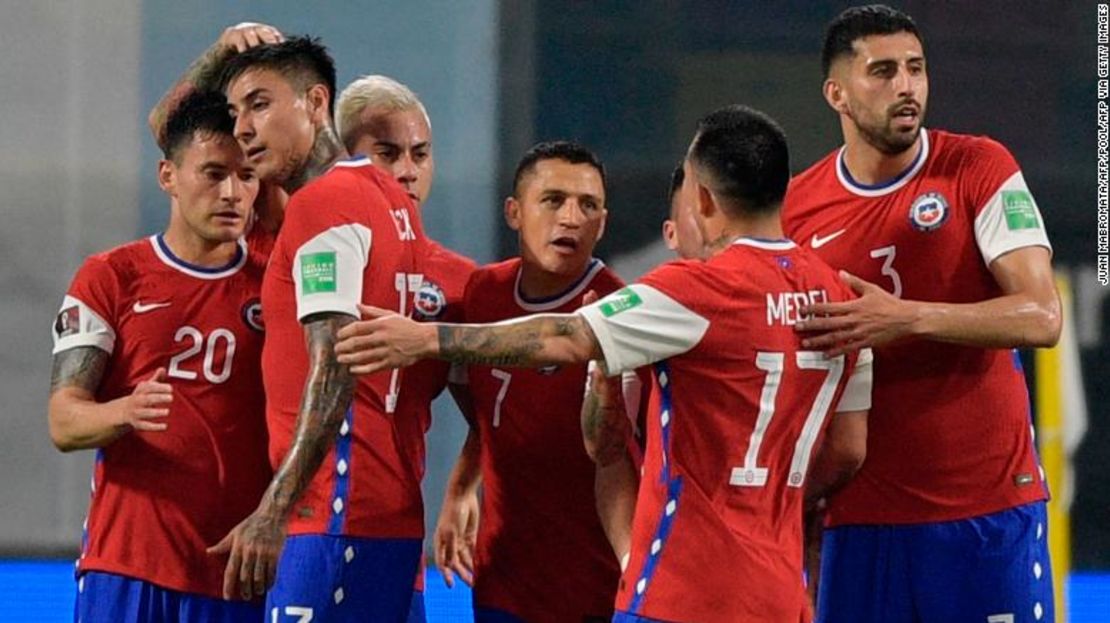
[337, 578]
[989, 569]
[109, 598]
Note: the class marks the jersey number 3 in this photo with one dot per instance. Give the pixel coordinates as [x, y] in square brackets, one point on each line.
[750, 474]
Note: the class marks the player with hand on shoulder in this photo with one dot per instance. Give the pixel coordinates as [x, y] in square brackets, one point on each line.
[942, 239]
[739, 405]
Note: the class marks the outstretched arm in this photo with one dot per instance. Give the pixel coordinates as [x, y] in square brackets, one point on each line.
[388, 340]
[78, 421]
[255, 544]
[1026, 315]
[204, 73]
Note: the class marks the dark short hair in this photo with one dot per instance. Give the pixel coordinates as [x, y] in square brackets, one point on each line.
[302, 61]
[200, 111]
[858, 22]
[568, 151]
[744, 156]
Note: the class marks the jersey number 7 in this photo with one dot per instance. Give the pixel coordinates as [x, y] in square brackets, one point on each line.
[750, 474]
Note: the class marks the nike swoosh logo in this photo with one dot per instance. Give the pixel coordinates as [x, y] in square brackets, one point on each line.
[139, 308]
[818, 241]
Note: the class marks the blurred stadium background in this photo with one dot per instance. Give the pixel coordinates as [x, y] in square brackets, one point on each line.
[627, 78]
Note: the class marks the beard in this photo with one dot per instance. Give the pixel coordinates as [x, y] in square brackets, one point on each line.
[882, 135]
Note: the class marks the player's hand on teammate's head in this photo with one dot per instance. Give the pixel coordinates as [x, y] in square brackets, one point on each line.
[246, 35]
[382, 340]
[147, 404]
[455, 538]
[877, 317]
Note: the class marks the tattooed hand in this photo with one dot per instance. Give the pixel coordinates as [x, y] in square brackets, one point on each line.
[384, 340]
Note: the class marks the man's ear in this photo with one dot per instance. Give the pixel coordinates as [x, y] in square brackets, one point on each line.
[319, 104]
[512, 213]
[835, 96]
[707, 203]
[167, 177]
[669, 237]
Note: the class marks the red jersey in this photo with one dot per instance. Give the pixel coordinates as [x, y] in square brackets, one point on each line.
[350, 236]
[149, 309]
[736, 414]
[439, 299]
[949, 435]
[541, 553]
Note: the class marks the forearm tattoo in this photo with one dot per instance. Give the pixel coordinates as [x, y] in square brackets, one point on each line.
[605, 428]
[81, 367]
[513, 344]
[327, 394]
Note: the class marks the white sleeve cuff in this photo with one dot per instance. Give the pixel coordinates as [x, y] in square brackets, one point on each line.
[1010, 220]
[328, 269]
[78, 325]
[857, 393]
[639, 325]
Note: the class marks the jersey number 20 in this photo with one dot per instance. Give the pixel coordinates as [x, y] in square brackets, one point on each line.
[220, 338]
[750, 474]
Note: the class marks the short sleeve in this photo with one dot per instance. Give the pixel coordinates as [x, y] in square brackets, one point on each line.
[1006, 214]
[87, 317]
[328, 270]
[1009, 220]
[328, 234]
[857, 393]
[639, 325]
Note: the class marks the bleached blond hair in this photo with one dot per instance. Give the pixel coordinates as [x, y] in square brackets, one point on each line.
[376, 92]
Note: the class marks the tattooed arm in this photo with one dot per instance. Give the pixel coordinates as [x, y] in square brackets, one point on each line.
[78, 421]
[607, 434]
[389, 340]
[255, 544]
[204, 73]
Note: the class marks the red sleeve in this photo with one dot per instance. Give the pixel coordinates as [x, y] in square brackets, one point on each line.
[89, 313]
[986, 166]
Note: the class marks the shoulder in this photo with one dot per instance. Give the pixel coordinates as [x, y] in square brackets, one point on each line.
[969, 149]
[814, 172]
[504, 271]
[122, 262]
[670, 276]
[441, 255]
[810, 189]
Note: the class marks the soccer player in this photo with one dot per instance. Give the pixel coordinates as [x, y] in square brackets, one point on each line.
[383, 119]
[343, 488]
[156, 365]
[541, 552]
[204, 75]
[740, 405]
[945, 521]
